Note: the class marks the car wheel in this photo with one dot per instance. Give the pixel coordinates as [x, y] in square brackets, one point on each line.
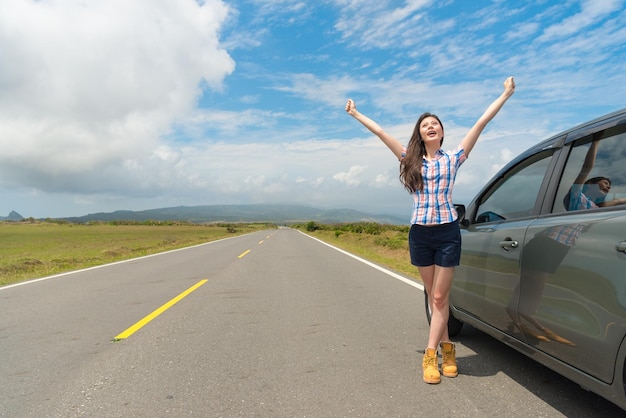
[454, 325]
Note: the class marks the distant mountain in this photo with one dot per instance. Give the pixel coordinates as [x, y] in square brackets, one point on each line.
[13, 216]
[240, 213]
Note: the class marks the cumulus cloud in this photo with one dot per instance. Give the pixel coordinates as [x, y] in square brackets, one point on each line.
[89, 86]
[351, 177]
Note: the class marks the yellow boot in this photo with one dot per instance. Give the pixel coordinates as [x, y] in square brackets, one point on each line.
[448, 365]
[430, 366]
[553, 336]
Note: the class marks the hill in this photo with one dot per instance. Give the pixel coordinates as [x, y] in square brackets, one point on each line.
[13, 216]
[282, 214]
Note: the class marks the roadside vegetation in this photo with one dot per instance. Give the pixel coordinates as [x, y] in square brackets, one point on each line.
[31, 249]
[385, 245]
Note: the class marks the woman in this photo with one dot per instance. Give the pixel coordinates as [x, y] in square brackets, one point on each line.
[590, 193]
[428, 173]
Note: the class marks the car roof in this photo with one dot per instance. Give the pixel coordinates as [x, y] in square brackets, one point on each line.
[603, 122]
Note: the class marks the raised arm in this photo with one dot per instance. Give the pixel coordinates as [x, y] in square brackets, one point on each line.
[590, 160]
[392, 143]
[472, 136]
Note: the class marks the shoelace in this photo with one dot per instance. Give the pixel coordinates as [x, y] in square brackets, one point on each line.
[430, 361]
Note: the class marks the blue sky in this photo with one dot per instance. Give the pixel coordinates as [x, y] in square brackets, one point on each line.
[157, 103]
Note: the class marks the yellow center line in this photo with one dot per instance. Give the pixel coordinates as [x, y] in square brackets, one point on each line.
[130, 331]
[244, 253]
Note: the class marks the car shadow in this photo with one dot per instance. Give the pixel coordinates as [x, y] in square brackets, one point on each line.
[492, 357]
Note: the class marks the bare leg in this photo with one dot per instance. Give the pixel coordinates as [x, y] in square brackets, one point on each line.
[437, 281]
[533, 286]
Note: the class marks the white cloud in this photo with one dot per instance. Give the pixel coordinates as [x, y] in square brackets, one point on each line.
[376, 24]
[591, 11]
[86, 85]
[352, 176]
[385, 180]
[119, 104]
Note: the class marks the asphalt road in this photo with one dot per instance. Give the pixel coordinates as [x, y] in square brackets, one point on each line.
[272, 324]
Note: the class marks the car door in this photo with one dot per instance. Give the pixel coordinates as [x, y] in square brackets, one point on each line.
[486, 283]
[572, 302]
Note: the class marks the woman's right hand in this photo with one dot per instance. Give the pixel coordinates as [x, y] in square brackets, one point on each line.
[394, 145]
[351, 107]
[509, 86]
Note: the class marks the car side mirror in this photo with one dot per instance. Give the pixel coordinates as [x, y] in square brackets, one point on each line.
[460, 210]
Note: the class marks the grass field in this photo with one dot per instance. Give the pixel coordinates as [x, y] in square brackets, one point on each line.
[37, 249]
[385, 245]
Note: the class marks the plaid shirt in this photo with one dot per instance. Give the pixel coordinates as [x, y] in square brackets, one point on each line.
[566, 234]
[434, 204]
[577, 200]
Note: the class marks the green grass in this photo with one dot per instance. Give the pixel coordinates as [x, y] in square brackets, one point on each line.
[385, 245]
[36, 249]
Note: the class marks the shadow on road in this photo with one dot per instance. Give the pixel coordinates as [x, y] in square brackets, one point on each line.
[493, 357]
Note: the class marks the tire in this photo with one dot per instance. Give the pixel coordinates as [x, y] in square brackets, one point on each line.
[454, 325]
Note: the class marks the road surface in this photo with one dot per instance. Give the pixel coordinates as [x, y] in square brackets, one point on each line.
[270, 324]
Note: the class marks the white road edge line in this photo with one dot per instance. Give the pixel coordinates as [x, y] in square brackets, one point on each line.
[67, 273]
[377, 267]
[362, 260]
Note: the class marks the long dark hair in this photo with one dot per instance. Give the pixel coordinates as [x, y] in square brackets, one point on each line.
[411, 164]
[596, 180]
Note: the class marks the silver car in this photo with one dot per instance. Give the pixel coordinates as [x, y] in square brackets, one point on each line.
[543, 265]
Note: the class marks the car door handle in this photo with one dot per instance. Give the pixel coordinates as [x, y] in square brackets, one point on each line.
[508, 243]
[621, 246]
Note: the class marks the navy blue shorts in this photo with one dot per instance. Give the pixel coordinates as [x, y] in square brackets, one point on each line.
[439, 245]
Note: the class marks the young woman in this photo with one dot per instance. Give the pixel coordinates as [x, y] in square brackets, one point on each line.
[428, 173]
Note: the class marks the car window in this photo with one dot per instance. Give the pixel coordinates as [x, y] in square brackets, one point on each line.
[595, 173]
[514, 196]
